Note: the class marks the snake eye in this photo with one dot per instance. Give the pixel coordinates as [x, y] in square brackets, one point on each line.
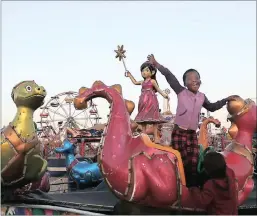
[28, 88]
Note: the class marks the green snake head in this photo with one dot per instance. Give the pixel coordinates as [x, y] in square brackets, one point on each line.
[28, 94]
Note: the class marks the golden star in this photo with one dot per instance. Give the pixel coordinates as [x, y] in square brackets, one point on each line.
[120, 52]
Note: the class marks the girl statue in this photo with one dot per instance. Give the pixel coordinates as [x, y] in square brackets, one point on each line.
[148, 106]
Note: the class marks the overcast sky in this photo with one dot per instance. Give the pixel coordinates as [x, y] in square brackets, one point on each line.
[66, 45]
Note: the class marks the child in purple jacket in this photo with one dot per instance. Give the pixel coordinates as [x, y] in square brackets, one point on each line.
[190, 103]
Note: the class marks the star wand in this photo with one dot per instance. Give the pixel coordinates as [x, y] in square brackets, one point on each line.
[120, 54]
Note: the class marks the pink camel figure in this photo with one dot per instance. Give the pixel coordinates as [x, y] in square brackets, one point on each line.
[140, 171]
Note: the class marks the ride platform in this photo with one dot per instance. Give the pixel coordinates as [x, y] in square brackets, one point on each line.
[101, 200]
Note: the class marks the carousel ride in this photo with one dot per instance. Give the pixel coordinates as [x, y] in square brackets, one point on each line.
[140, 176]
[85, 172]
[121, 154]
[130, 182]
[70, 139]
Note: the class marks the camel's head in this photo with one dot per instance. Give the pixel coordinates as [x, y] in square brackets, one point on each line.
[99, 89]
[243, 114]
[66, 148]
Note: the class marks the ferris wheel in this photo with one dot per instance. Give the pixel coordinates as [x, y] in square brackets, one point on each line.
[59, 113]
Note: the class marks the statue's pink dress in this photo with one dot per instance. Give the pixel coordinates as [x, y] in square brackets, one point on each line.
[148, 106]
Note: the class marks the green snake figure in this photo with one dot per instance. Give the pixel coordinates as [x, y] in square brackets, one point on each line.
[21, 162]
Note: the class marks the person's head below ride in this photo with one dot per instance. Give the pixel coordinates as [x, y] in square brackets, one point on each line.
[148, 71]
[192, 80]
[215, 165]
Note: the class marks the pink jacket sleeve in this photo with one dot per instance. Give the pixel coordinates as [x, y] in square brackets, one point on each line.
[204, 196]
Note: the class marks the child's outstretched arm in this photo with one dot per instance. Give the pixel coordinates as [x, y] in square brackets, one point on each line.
[171, 79]
[214, 106]
[204, 196]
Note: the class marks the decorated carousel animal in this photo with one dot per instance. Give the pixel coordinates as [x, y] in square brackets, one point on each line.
[81, 172]
[140, 171]
[233, 131]
[129, 105]
[22, 167]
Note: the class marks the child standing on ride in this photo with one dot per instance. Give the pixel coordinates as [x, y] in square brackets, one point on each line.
[190, 103]
[148, 106]
[219, 193]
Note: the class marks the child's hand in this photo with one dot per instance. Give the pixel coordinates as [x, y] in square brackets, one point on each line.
[232, 98]
[152, 60]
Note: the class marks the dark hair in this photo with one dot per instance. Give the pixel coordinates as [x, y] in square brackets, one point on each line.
[151, 68]
[149, 65]
[215, 165]
[188, 71]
